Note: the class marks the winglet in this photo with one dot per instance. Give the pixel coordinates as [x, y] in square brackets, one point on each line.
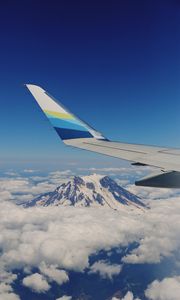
[64, 122]
[169, 179]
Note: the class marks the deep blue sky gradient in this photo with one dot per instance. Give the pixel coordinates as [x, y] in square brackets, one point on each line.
[116, 64]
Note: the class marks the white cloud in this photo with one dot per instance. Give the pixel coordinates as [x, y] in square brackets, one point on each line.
[5, 195]
[60, 173]
[65, 237]
[59, 276]
[56, 238]
[167, 289]
[11, 173]
[161, 230]
[65, 298]
[36, 282]
[105, 269]
[9, 296]
[152, 193]
[21, 188]
[30, 171]
[6, 292]
[128, 296]
[126, 170]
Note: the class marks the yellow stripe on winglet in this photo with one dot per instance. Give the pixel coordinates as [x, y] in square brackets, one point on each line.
[59, 115]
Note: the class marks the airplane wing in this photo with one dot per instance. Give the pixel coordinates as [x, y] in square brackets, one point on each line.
[74, 132]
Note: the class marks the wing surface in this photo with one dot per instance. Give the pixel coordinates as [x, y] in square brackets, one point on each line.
[75, 132]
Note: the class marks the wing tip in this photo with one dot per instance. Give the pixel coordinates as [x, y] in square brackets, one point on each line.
[32, 86]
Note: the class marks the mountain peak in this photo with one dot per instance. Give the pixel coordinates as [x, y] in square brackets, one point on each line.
[89, 191]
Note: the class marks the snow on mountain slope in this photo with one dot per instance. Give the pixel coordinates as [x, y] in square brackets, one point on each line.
[89, 191]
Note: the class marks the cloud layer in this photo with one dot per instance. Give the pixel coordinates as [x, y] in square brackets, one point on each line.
[167, 289]
[56, 240]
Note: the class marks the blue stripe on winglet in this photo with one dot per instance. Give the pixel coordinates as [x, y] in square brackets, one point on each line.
[66, 134]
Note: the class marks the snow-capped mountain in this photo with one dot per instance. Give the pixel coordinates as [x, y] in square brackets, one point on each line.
[94, 190]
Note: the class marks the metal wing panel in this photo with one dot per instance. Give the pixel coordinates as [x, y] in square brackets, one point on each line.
[163, 158]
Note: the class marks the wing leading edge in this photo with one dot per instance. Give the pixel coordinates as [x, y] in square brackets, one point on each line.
[74, 132]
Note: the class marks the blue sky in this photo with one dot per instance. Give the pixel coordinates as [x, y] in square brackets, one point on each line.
[116, 64]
